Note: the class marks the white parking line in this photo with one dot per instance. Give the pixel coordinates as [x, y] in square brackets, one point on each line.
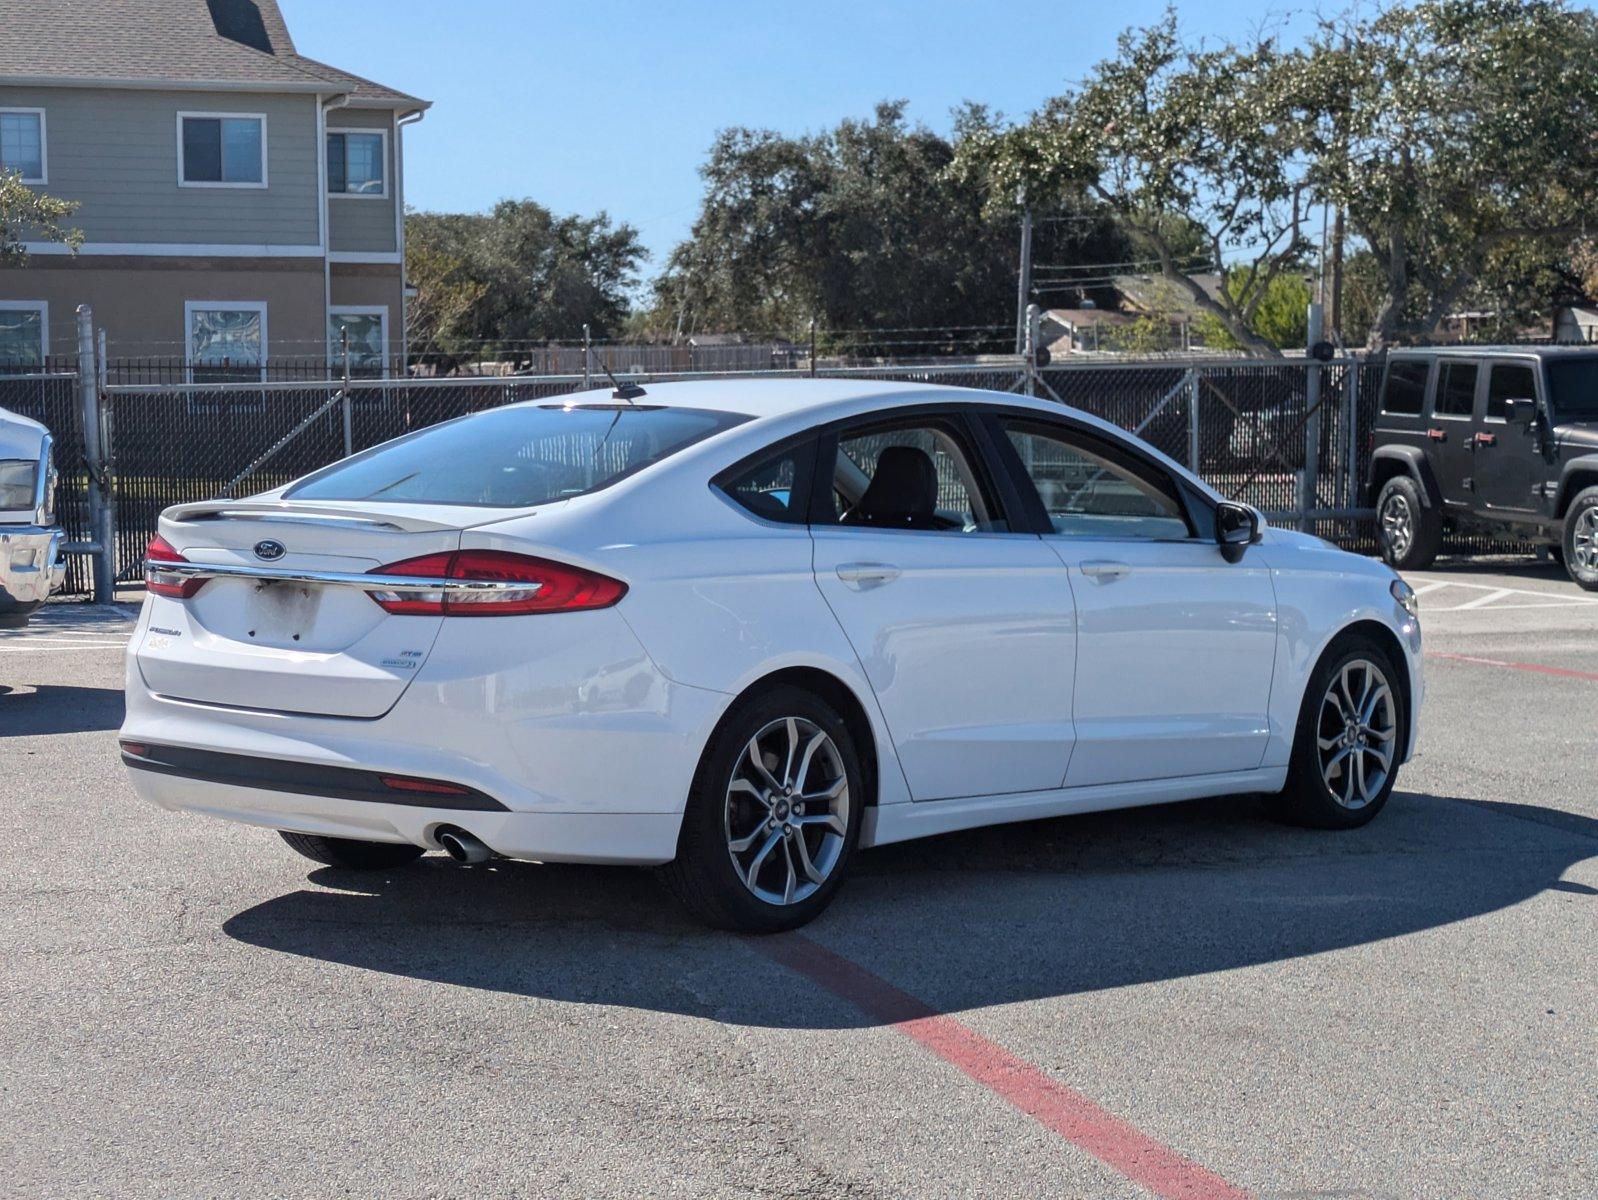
[1493, 597]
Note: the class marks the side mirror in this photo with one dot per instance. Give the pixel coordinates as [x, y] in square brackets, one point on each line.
[1520, 411]
[1237, 527]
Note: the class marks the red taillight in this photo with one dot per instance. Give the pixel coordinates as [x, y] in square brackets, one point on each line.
[529, 585]
[426, 787]
[166, 583]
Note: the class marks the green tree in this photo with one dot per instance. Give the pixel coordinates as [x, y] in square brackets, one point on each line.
[1197, 151]
[518, 277]
[863, 227]
[28, 215]
[1451, 130]
[1279, 313]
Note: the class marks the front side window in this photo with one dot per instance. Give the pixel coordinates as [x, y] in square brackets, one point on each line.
[355, 165]
[1509, 381]
[223, 151]
[1456, 389]
[1091, 488]
[1404, 393]
[367, 331]
[22, 335]
[919, 475]
[227, 342]
[22, 143]
[516, 457]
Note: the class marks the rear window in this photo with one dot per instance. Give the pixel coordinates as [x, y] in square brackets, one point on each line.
[1405, 390]
[516, 457]
[1456, 389]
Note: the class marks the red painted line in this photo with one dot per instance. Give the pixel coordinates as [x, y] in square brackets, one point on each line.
[1056, 1107]
[1536, 668]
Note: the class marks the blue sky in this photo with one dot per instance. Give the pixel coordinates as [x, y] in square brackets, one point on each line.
[613, 105]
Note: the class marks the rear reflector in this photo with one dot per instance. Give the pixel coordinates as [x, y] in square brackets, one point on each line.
[521, 585]
[426, 786]
[165, 583]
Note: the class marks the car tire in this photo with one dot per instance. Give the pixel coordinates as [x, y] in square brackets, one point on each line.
[756, 837]
[1410, 533]
[353, 855]
[1580, 545]
[1329, 780]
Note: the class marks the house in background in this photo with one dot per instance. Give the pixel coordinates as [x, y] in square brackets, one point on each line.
[239, 201]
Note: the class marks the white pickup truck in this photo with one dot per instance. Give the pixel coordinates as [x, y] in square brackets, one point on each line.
[31, 566]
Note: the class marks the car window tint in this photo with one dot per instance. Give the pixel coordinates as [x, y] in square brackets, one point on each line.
[1456, 389]
[516, 457]
[919, 476]
[1509, 381]
[768, 489]
[1091, 488]
[1405, 390]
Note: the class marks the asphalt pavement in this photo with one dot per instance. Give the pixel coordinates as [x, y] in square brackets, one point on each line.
[1179, 1001]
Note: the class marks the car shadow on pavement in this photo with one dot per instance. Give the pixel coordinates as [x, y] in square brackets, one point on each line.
[965, 921]
[47, 709]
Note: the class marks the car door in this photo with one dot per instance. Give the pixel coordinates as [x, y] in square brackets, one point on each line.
[964, 628]
[1508, 466]
[1452, 429]
[1176, 647]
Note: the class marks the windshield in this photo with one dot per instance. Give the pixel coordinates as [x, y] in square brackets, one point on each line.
[516, 457]
[1573, 388]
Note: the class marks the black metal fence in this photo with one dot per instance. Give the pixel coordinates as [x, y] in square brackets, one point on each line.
[1291, 438]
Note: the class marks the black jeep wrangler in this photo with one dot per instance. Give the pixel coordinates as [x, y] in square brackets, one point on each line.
[1495, 440]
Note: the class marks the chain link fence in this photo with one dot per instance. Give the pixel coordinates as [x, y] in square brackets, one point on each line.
[1291, 438]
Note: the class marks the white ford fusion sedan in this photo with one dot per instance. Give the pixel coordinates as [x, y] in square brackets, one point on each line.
[741, 630]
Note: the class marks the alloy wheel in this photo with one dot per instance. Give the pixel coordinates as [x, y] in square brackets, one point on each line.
[787, 811]
[1357, 733]
[1398, 524]
[1584, 539]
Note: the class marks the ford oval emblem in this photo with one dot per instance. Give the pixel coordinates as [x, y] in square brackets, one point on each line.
[270, 551]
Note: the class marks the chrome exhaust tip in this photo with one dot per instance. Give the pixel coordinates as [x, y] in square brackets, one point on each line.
[464, 848]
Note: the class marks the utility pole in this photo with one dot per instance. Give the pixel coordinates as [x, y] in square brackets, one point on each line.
[1024, 292]
[1338, 234]
[588, 380]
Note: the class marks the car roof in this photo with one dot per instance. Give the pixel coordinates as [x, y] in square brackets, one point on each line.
[769, 397]
[1496, 351]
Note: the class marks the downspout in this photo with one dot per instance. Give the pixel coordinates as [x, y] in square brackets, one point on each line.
[410, 118]
[325, 211]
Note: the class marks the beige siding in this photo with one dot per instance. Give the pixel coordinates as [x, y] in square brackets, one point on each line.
[360, 225]
[139, 301]
[374, 286]
[117, 153]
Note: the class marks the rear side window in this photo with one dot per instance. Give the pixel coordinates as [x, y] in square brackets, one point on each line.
[1509, 381]
[516, 457]
[775, 488]
[1405, 390]
[1456, 389]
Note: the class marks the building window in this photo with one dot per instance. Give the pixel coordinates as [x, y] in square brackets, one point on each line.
[24, 333]
[226, 341]
[221, 150]
[22, 146]
[357, 164]
[368, 341]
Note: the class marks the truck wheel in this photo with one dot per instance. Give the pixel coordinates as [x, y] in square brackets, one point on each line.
[1410, 533]
[1581, 539]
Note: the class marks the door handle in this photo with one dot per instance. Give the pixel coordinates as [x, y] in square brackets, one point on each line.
[1437, 435]
[1105, 571]
[1487, 439]
[863, 575]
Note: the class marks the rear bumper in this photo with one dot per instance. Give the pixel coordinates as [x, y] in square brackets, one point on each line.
[31, 567]
[640, 839]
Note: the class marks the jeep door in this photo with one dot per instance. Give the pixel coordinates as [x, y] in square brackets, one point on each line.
[1452, 428]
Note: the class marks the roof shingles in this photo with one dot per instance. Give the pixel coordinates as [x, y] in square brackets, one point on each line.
[162, 41]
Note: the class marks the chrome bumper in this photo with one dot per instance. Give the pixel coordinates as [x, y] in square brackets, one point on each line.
[31, 566]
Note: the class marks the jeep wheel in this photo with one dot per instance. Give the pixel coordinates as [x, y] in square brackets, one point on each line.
[1410, 533]
[1581, 539]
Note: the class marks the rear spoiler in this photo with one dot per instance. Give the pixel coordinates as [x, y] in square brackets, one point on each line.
[301, 513]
